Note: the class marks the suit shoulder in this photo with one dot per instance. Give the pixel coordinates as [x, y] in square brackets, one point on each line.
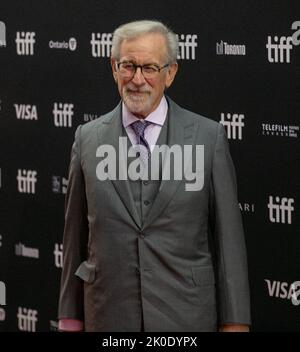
[204, 121]
[90, 126]
[190, 116]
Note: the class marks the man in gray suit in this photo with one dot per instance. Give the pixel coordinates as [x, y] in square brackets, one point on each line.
[142, 253]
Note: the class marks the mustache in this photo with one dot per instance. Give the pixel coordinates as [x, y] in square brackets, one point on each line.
[138, 90]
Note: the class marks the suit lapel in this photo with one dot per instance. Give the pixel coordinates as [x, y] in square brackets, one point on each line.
[182, 133]
[108, 133]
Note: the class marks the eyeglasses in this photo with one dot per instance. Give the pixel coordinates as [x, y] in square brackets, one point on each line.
[128, 69]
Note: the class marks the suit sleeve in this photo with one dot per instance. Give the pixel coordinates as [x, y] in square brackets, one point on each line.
[71, 302]
[228, 235]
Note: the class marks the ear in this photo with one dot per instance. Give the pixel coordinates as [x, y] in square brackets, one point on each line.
[114, 69]
[171, 73]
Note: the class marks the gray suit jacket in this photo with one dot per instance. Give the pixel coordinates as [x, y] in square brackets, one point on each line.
[184, 268]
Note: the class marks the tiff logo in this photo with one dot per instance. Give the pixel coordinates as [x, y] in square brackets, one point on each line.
[279, 49]
[282, 211]
[233, 124]
[27, 319]
[2, 294]
[58, 255]
[63, 114]
[25, 43]
[101, 44]
[2, 34]
[26, 181]
[59, 184]
[187, 46]
[26, 112]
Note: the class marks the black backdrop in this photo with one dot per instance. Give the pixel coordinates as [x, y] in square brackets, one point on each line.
[227, 72]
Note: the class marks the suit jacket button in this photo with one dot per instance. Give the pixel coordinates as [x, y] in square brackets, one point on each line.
[146, 202]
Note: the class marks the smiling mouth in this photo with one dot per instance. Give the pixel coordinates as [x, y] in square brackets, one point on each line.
[136, 92]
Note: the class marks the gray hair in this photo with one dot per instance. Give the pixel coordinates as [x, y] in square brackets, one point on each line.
[138, 28]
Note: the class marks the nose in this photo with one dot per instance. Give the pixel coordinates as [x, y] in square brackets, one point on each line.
[138, 78]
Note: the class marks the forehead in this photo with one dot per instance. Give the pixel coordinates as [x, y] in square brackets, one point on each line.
[150, 46]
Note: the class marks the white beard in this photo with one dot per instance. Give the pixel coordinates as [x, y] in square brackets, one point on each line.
[138, 104]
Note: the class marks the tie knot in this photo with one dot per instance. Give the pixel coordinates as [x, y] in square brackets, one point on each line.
[139, 127]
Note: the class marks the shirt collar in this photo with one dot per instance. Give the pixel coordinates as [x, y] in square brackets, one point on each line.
[157, 116]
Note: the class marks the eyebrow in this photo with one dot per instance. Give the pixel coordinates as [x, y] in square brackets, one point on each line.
[146, 64]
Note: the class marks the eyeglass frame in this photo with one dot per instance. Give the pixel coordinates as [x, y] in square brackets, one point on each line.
[159, 68]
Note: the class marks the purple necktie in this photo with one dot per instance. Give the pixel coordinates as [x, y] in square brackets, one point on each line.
[139, 130]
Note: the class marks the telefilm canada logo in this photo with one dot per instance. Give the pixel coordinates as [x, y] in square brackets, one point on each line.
[280, 130]
[279, 47]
